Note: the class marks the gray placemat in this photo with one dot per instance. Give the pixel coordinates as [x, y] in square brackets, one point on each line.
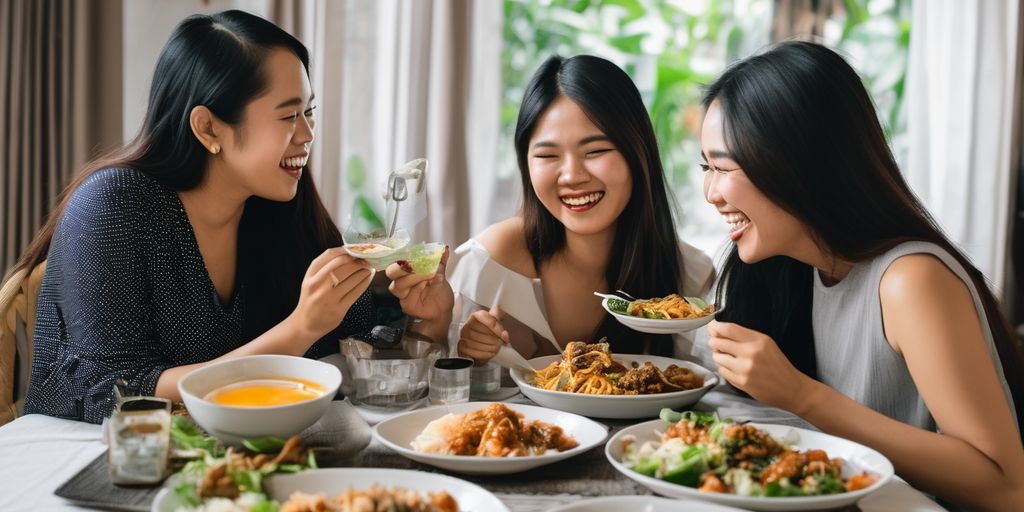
[92, 487]
[335, 437]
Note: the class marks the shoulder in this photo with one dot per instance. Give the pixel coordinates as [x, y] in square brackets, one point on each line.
[919, 290]
[913, 275]
[115, 188]
[112, 199]
[505, 241]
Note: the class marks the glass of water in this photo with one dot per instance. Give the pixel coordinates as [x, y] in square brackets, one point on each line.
[139, 438]
[449, 380]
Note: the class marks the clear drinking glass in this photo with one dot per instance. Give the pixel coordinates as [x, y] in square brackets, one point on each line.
[449, 380]
[139, 438]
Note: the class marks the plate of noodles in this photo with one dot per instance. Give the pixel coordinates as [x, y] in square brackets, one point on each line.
[661, 315]
[588, 380]
[353, 490]
[753, 466]
[489, 438]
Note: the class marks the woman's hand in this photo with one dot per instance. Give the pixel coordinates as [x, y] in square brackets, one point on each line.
[483, 335]
[424, 297]
[333, 282]
[751, 361]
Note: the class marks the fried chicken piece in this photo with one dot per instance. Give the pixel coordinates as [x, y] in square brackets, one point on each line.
[683, 377]
[688, 432]
[642, 380]
[789, 465]
[217, 483]
[745, 442]
[709, 482]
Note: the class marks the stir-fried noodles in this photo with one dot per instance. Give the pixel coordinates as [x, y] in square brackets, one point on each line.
[670, 307]
[588, 368]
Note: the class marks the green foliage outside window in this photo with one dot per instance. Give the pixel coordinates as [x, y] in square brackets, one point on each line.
[672, 47]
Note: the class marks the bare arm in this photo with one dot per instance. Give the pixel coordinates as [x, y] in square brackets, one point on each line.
[322, 306]
[929, 318]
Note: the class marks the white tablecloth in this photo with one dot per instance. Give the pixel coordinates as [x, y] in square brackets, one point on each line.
[39, 453]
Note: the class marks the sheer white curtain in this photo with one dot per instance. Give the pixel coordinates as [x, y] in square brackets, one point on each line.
[398, 80]
[961, 88]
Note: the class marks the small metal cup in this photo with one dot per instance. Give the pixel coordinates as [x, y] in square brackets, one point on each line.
[449, 380]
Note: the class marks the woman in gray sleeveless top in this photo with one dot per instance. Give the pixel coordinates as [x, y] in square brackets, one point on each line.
[845, 304]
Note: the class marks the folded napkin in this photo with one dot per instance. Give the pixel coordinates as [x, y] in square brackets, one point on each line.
[339, 433]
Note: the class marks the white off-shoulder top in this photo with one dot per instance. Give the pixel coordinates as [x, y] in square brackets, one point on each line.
[480, 282]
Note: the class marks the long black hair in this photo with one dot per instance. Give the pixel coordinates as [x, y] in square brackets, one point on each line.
[645, 260]
[801, 125]
[216, 60]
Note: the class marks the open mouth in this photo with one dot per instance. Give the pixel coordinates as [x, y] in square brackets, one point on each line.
[583, 202]
[737, 224]
[293, 165]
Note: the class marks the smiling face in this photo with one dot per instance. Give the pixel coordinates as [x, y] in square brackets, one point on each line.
[577, 173]
[759, 227]
[266, 153]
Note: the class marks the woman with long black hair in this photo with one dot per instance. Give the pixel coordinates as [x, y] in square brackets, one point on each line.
[845, 303]
[596, 216]
[204, 238]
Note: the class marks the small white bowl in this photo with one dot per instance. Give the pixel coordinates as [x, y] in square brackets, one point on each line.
[232, 424]
[615, 406]
[399, 432]
[660, 325]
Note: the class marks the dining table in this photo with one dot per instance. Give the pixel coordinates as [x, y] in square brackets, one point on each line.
[49, 463]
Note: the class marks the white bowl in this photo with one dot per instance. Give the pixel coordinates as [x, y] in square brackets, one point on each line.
[378, 260]
[659, 325]
[335, 481]
[232, 424]
[399, 432]
[641, 503]
[615, 406]
[856, 458]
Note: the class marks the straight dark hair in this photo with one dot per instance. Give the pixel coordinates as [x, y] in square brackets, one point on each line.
[801, 125]
[216, 60]
[645, 260]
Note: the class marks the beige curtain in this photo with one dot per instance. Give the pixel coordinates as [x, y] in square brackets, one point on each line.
[60, 104]
[963, 152]
[398, 80]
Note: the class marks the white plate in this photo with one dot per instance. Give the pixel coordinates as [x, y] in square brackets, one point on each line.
[856, 458]
[657, 325]
[398, 433]
[642, 503]
[334, 481]
[615, 406]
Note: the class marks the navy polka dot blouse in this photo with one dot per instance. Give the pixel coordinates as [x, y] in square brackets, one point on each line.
[126, 295]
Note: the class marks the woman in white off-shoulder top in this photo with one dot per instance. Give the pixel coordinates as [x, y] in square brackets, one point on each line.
[596, 217]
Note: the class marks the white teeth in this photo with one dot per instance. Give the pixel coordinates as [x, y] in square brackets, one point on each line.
[735, 219]
[580, 201]
[294, 162]
[733, 226]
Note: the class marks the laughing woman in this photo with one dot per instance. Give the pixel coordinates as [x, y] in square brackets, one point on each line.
[204, 238]
[596, 216]
[845, 303]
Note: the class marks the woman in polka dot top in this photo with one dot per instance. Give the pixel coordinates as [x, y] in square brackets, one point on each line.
[204, 238]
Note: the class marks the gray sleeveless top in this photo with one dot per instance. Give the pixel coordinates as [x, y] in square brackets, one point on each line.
[853, 354]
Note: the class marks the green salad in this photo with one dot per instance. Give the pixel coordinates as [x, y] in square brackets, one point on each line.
[700, 450]
[218, 478]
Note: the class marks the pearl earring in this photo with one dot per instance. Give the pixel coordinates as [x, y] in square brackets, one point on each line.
[215, 149]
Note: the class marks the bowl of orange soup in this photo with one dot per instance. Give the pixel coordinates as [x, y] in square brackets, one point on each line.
[261, 395]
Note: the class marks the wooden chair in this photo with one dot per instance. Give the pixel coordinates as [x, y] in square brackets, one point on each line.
[17, 326]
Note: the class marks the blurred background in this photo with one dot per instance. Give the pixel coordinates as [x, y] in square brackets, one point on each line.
[442, 79]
